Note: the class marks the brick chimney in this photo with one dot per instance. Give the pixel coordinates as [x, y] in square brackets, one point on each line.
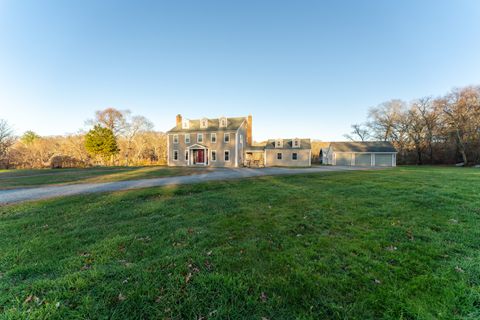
[179, 120]
[249, 130]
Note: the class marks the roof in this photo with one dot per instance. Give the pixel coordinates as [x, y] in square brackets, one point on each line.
[213, 125]
[287, 144]
[364, 146]
[254, 148]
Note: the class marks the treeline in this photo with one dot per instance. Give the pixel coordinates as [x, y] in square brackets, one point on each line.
[116, 138]
[442, 130]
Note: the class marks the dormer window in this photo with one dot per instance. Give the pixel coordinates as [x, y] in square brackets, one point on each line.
[204, 123]
[223, 122]
[279, 143]
[296, 143]
[185, 124]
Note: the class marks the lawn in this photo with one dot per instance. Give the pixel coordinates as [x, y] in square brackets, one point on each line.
[401, 243]
[29, 178]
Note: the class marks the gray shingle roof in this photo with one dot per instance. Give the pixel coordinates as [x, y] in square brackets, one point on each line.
[287, 144]
[366, 146]
[213, 125]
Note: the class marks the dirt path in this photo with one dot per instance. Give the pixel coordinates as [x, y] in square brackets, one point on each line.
[27, 194]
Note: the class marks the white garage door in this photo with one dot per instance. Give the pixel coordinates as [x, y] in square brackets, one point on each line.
[363, 159]
[383, 160]
[344, 159]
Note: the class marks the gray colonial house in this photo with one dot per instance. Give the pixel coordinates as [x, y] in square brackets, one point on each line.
[227, 142]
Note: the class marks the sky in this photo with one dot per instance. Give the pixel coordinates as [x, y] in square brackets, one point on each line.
[301, 68]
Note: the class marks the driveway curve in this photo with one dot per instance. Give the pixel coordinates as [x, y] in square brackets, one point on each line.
[46, 192]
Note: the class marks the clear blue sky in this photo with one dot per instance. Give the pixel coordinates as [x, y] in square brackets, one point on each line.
[302, 68]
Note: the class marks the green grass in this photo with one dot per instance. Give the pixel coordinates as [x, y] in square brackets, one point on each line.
[391, 244]
[29, 178]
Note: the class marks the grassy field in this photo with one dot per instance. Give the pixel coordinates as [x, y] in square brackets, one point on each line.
[30, 178]
[392, 244]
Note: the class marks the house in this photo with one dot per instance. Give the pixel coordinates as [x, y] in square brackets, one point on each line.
[227, 142]
[366, 154]
[288, 152]
[209, 142]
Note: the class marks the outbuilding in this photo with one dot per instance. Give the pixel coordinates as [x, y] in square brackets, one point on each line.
[364, 154]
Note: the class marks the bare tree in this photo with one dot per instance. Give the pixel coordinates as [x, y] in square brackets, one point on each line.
[6, 139]
[112, 119]
[359, 131]
[136, 125]
[461, 111]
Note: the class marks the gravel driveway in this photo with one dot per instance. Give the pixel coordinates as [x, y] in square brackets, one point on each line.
[26, 194]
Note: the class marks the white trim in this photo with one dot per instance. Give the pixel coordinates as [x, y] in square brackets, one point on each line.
[296, 154]
[281, 155]
[310, 158]
[185, 137]
[168, 150]
[229, 155]
[220, 122]
[200, 135]
[264, 158]
[211, 155]
[226, 134]
[213, 134]
[236, 149]
[177, 138]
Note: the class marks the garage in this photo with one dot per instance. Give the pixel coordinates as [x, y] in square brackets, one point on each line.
[344, 159]
[363, 159]
[383, 160]
[362, 154]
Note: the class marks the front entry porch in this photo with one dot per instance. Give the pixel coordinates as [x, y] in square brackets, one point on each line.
[197, 155]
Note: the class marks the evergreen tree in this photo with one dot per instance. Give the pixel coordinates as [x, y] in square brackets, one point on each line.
[101, 142]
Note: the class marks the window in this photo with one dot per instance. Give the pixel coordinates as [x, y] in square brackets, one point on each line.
[200, 137]
[241, 139]
[187, 138]
[213, 138]
[223, 122]
[175, 138]
[204, 123]
[214, 155]
[279, 156]
[279, 143]
[294, 156]
[175, 155]
[185, 124]
[227, 155]
[186, 155]
[296, 143]
[226, 137]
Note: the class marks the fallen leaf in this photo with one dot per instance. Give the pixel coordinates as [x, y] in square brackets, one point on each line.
[377, 281]
[459, 270]
[263, 296]
[121, 297]
[188, 277]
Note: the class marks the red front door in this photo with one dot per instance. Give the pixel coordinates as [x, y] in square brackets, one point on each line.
[200, 156]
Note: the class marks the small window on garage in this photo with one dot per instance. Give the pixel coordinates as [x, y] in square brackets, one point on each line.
[294, 156]
[279, 156]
